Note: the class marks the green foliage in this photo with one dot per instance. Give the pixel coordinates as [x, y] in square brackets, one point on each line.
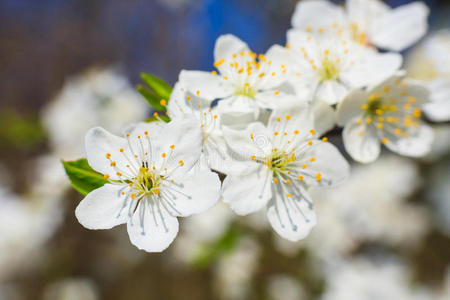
[156, 92]
[223, 246]
[20, 131]
[158, 118]
[82, 177]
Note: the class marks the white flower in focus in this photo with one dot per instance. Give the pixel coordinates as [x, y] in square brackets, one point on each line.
[430, 63]
[277, 164]
[149, 181]
[214, 150]
[330, 66]
[245, 83]
[389, 114]
[368, 22]
[96, 98]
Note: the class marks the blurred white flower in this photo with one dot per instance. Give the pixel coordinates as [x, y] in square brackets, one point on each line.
[149, 184]
[387, 114]
[284, 287]
[370, 206]
[275, 166]
[332, 66]
[234, 272]
[214, 150]
[246, 84]
[430, 62]
[367, 22]
[96, 98]
[361, 279]
[25, 226]
[71, 289]
[438, 191]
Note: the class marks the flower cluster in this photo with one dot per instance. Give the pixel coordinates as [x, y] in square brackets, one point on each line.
[260, 119]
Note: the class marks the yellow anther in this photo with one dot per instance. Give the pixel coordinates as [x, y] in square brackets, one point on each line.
[172, 147]
[308, 29]
[296, 131]
[181, 163]
[155, 114]
[188, 98]
[384, 141]
[219, 62]
[261, 75]
[312, 131]
[358, 122]
[361, 133]
[275, 133]
[312, 159]
[417, 113]
[253, 157]
[288, 181]
[128, 135]
[132, 196]
[300, 177]
[288, 195]
[156, 191]
[273, 73]
[386, 88]
[324, 139]
[214, 72]
[412, 99]
[318, 177]
[380, 125]
[113, 164]
[119, 174]
[379, 111]
[251, 136]
[310, 143]
[304, 166]
[288, 117]
[287, 46]
[276, 92]
[198, 92]
[163, 155]
[106, 176]
[215, 116]
[108, 155]
[163, 102]
[368, 120]
[364, 106]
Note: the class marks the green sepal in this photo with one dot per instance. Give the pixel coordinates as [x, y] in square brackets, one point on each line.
[159, 86]
[164, 118]
[153, 99]
[82, 177]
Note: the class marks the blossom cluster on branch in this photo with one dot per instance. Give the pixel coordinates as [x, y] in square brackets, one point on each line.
[260, 120]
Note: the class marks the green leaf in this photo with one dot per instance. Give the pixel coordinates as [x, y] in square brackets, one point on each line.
[152, 99]
[82, 177]
[160, 117]
[159, 86]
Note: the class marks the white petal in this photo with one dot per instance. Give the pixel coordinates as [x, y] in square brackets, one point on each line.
[241, 143]
[192, 194]
[329, 162]
[226, 46]
[204, 84]
[439, 108]
[98, 143]
[401, 27]
[291, 217]
[350, 107]
[103, 208]
[278, 56]
[324, 119]
[416, 144]
[217, 155]
[330, 92]
[152, 228]
[316, 14]
[237, 110]
[371, 69]
[363, 148]
[250, 193]
[186, 136]
[363, 12]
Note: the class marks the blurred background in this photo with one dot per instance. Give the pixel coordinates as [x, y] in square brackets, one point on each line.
[68, 65]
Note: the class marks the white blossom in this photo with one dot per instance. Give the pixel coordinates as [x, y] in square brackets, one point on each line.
[149, 181]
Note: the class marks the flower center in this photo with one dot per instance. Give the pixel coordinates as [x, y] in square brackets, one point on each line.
[279, 161]
[358, 35]
[246, 91]
[147, 182]
[329, 70]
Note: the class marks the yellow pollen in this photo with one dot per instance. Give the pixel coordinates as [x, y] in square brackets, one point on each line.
[412, 99]
[188, 98]
[163, 102]
[288, 181]
[312, 131]
[214, 72]
[156, 191]
[308, 29]
[106, 176]
[288, 195]
[146, 132]
[300, 177]
[163, 155]
[384, 141]
[121, 149]
[172, 147]
[155, 114]
[108, 155]
[358, 122]
[304, 166]
[318, 177]
[288, 117]
[198, 92]
[253, 157]
[312, 159]
[310, 143]
[275, 180]
[219, 62]
[113, 164]
[132, 196]
[324, 139]
[275, 133]
[215, 116]
[128, 135]
[119, 174]
[296, 131]
[276, 92]
[181, 163]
